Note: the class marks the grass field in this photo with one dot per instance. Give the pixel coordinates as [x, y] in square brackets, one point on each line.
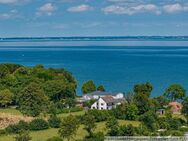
[45, 134]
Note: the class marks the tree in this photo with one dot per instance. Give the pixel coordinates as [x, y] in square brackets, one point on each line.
[69, 126]
[6, 97]
[131, 112]
[57, 90]
[3, 70]
[145, 89]
[112, 126]
[185, 108]
[142, 102]
[89, 124]
[175, 92]
[88, 87]
[23, 136]
[101, 88]
[32, 100]
[150, 120]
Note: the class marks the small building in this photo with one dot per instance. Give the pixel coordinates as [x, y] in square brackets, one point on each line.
[160, 111]
[97, 94]
[175, 107]
[107, 103]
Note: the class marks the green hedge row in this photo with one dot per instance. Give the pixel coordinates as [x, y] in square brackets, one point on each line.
[36, 124]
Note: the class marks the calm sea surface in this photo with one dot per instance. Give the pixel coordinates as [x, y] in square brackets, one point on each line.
[116, 65]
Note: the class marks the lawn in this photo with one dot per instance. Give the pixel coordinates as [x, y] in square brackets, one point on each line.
[12, 111]
[45, 134]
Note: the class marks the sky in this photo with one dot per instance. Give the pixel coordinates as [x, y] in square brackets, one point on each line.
[42, 18]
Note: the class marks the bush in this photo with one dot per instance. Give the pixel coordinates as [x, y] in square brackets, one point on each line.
[174, 124]
[100, 115]
[55, 139]
[54, 121]
[99, 136]
[39, 124]
[16, 128]
[23, 136]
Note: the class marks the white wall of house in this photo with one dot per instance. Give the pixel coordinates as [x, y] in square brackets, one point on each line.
[100, 105]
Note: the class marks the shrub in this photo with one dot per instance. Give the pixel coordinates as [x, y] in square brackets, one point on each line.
[99, 136]
[23, 136]
[54, 121]
[127, 130]
[16, 128]
[174, 124]
[55, 139]
[100, 115]
[38, 124]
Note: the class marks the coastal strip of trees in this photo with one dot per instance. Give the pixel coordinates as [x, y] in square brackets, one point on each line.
[43, 93]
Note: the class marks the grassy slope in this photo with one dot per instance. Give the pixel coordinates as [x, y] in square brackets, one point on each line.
[45, 134]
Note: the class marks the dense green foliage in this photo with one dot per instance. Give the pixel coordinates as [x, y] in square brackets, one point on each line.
[31, 88]
[32, 100]
[88, 87]
[185, 108]
[101, 88]
[175, 92]
[39, 124]
[54, 121]
[69, 127]
[23, 136]
[89, 124]
[6, 97]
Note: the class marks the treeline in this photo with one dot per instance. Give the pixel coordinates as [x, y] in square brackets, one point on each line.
[34, 89]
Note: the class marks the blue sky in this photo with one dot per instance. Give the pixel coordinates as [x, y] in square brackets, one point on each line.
[26, 18]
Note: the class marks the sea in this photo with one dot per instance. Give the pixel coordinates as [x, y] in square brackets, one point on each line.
[118, 63]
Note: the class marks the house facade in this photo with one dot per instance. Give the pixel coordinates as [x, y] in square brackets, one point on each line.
[107, 103]
[175, 107]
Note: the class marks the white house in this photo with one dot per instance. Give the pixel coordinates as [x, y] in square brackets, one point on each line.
[106, 103]
[97, 94]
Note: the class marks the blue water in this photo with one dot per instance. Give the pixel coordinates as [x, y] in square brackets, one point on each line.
[118, 68]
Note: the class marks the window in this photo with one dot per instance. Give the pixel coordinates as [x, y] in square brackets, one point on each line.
[102, 104]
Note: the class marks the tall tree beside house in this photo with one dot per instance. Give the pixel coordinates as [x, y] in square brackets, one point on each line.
[32, 100]
[145, 89]
[101, 88]
[175, 92]
[88, 87]
[185, 108]
[69, 127]
[89, 124]
[6, 97]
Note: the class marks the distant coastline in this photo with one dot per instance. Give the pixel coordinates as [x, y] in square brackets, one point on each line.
[97, 38]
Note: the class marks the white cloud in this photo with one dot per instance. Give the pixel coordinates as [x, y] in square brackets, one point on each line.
[130, 10]
[79, 8]
[173, 8]
[46, 9]
[9, 15]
